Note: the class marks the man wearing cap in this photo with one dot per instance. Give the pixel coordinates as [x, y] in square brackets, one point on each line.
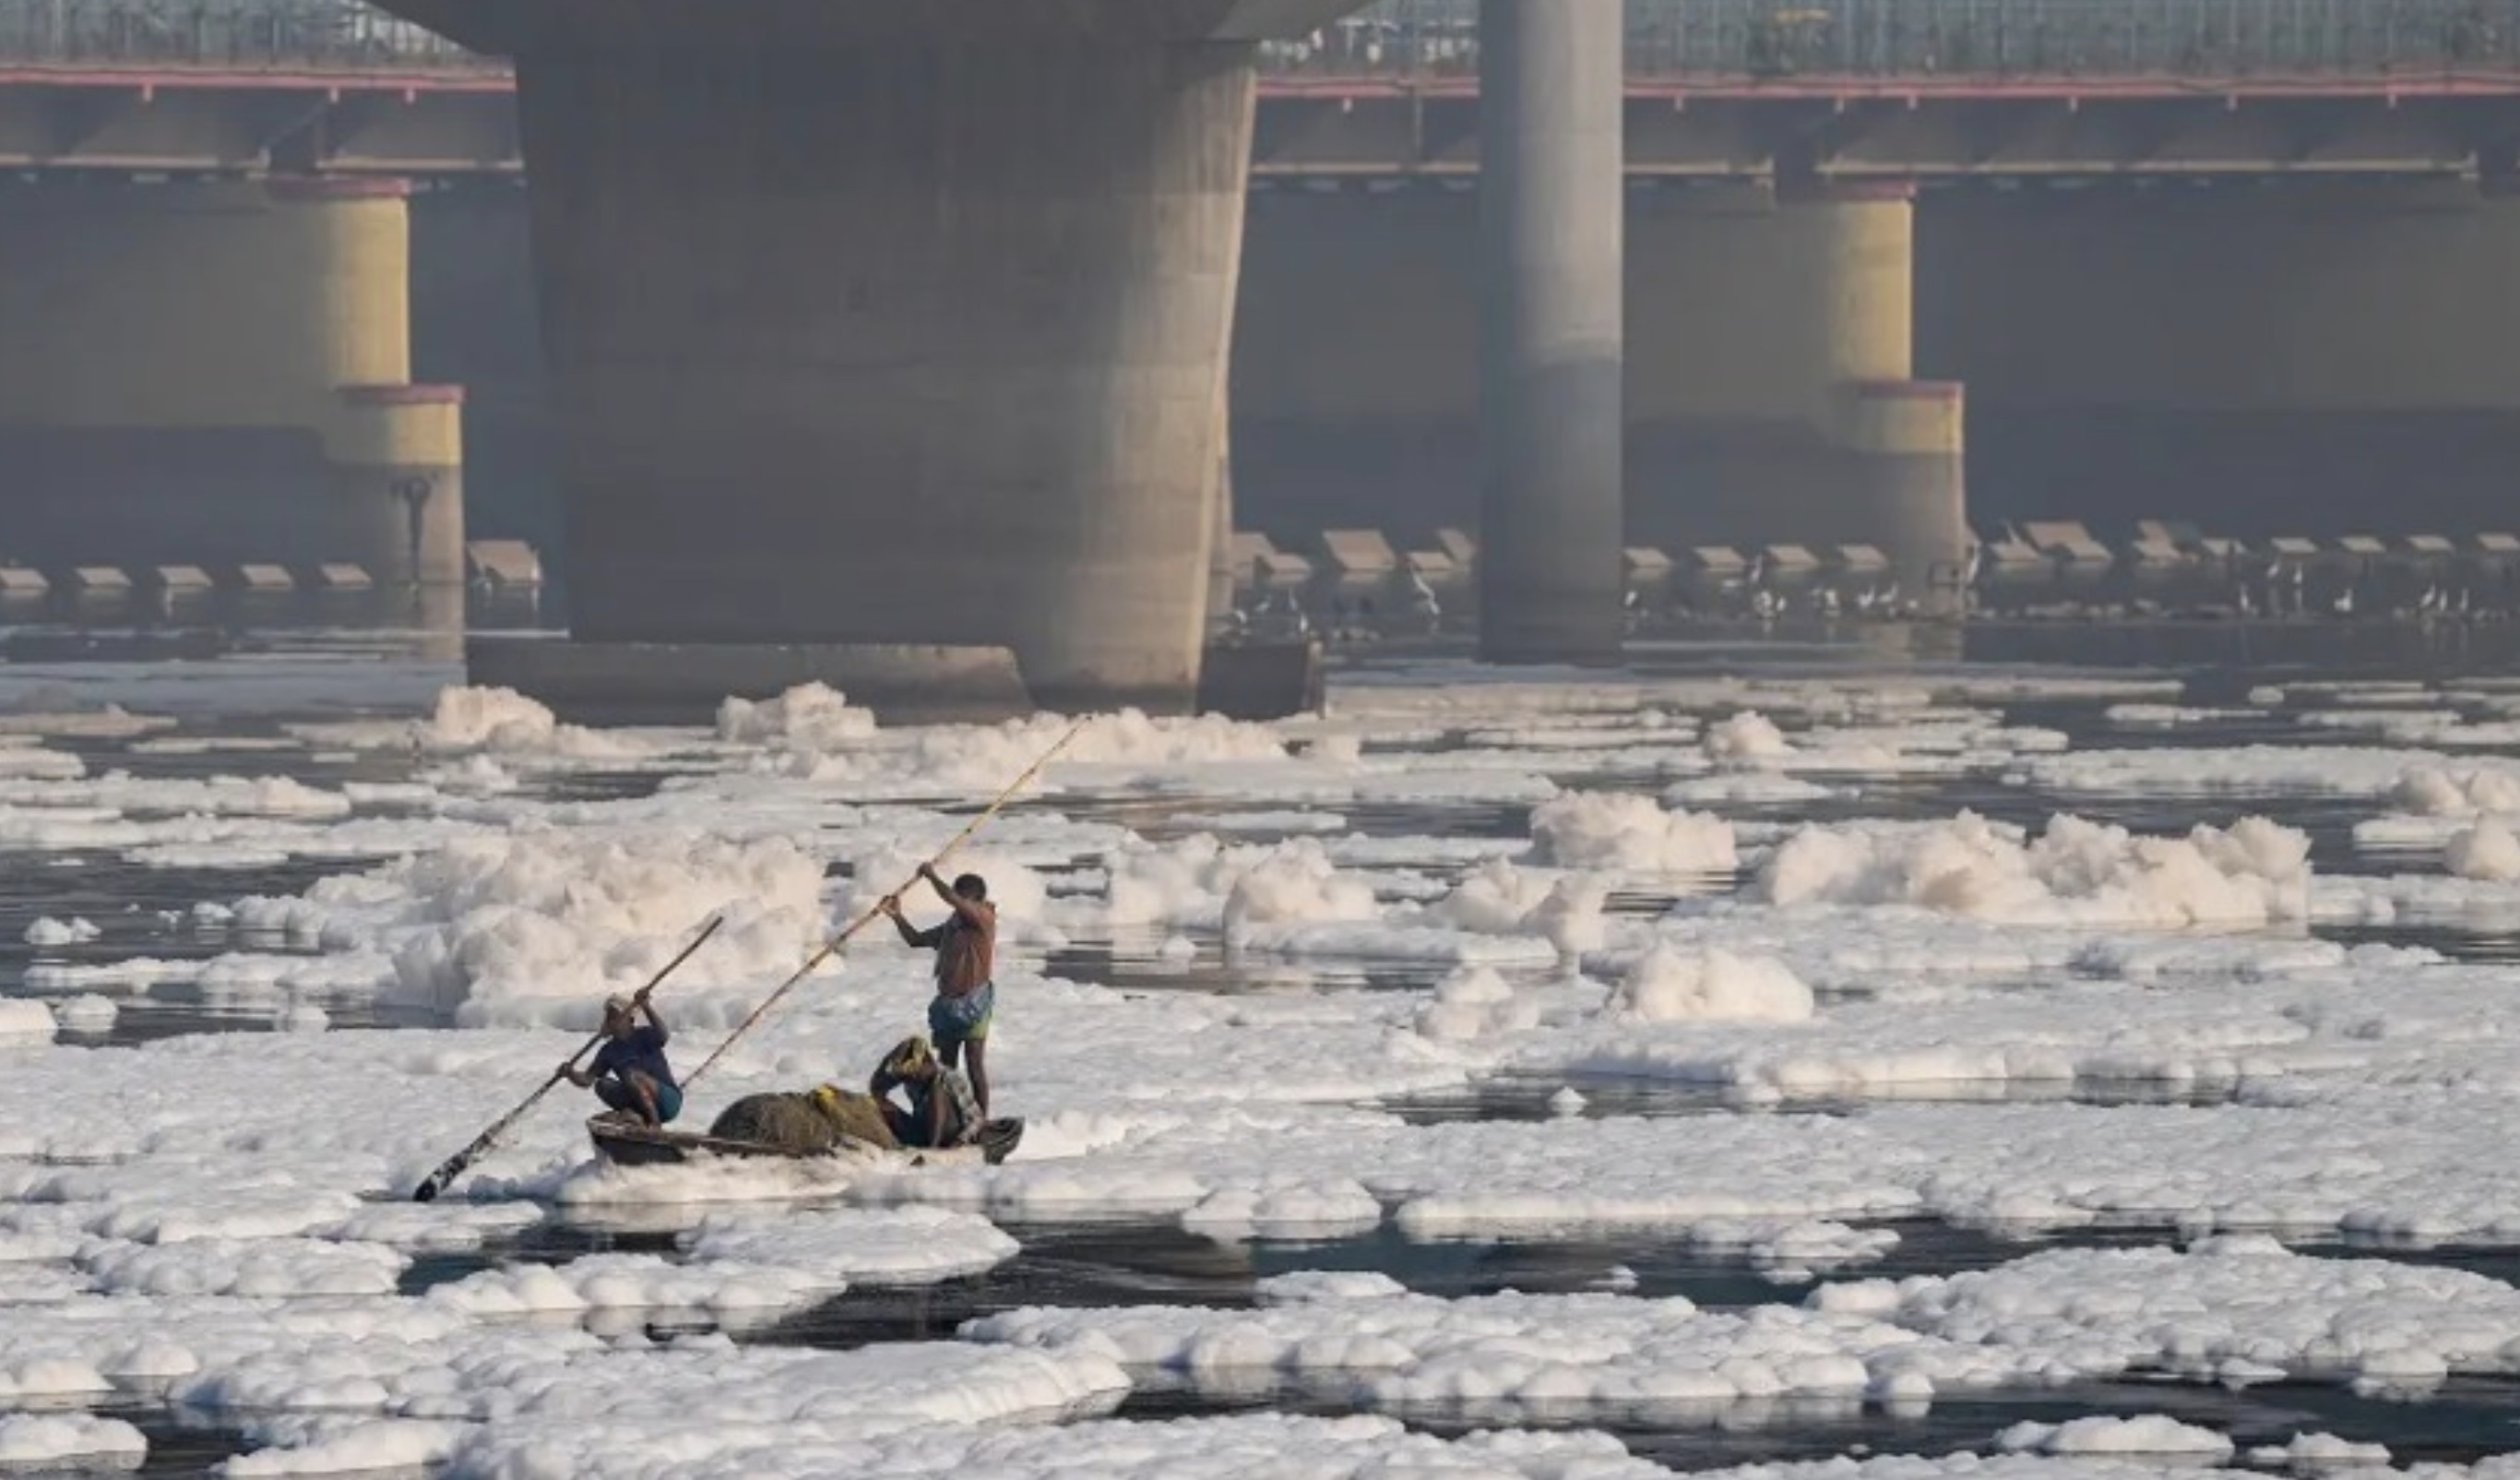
[630, 1073]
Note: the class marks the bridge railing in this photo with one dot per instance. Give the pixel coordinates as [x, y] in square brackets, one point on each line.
[1439, 38]
[1907, 38]
[248, 34]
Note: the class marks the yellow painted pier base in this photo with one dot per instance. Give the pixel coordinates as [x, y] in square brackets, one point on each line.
[217, 374]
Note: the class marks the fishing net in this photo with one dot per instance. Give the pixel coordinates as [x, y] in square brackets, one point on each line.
[803, 1121]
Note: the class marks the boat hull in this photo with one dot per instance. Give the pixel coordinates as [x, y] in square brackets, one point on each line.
[629, 1145]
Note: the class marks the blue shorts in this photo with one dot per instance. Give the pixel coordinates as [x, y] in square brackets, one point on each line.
[963, 1019]
[614, 1092]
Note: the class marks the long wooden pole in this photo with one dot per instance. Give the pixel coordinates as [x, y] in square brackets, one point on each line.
[454, 1165]
[833, 946]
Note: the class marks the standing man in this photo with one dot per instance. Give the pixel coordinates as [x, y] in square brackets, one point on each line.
[966, 945]
[630, 1073]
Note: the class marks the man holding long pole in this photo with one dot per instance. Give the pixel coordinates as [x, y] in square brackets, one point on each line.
[966, 943]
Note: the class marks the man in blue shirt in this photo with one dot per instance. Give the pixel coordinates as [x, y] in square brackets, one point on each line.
[630, 1073]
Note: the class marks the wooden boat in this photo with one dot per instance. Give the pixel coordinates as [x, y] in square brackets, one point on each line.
[627, 1145]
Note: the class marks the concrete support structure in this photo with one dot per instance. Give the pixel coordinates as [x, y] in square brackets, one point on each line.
[1550, 332]
[475, 323]
[2291, 358]
[1770, 396]
[1356, 363]
[1769, 391]
[883, 325]
[217, 374]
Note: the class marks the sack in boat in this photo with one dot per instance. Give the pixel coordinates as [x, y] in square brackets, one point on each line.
[815, 1122]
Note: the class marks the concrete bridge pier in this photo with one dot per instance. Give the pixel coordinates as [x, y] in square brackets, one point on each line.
[889, 330]
[219, 374]
[1771, 392]
[1553, 157]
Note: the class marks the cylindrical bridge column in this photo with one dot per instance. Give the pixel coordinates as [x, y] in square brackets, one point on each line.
[1551, 338]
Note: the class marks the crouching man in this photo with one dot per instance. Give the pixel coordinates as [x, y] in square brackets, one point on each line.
[630, 1073]
[942, 1110]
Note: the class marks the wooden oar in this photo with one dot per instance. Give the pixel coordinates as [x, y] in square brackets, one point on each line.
[831, 947]
[454, 1165]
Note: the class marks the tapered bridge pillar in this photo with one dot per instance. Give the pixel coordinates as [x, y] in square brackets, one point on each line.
[873, 325]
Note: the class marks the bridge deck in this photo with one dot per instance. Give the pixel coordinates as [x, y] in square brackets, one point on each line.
[1716, 87]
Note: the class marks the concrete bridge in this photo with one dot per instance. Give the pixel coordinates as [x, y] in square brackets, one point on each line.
[2240, 261]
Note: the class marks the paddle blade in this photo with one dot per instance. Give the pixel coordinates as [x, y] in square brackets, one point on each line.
[441, 1179]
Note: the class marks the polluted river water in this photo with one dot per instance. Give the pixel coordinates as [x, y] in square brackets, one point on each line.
[2079, 1064]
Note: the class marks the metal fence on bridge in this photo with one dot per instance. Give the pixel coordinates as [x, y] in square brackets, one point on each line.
[1439, 38]
[1783, 39]
[249, 34]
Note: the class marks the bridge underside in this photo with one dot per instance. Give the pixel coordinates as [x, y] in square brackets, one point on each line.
[197, 118]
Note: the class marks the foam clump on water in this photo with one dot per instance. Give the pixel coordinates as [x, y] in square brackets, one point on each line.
[886, 1246]
[1367, 1339]
[1475, 1002]
[2076, 872]
[1126, 747]
[27, 1440]
[1617, 830]
[503, 721]
[25, 1022]
[86, 1013]
[2319, 1450]
[1202, 882]
[2103, 1434]
[727, 1288]
[539, 927]
[1242, 1447]
[1497, 897]
[1667, 985]
[2488, 852]
[2442, 791]
[808, 716]
[48, 931]
[22, 759]
[1746, 740]
[2234, 1307]
[263, 1267]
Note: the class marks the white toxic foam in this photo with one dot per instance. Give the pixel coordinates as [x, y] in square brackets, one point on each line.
[893, 1246]
[2254, 872]
[2103, 1434]
[1669, 986]
[48, 931]
[1615, 830]
[82, 1440]
[2487, 851]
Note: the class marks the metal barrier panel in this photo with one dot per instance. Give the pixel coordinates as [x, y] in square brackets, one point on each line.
[232, 33]
[1439, 38]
